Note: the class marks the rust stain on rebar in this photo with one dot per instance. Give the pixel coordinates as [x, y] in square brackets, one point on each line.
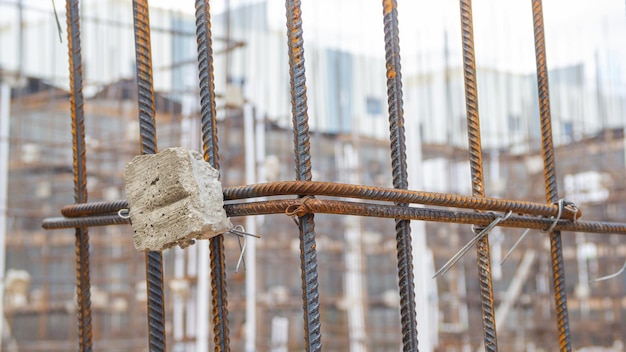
[476, 165]
[406, 285]
[332, 189]
[362, 209]
[80, 174]
[388, 6]
[556, 249]
[301, 138]
[147, 133]
[219, 298]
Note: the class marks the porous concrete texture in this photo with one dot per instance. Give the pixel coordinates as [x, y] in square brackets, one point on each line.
[174, 197]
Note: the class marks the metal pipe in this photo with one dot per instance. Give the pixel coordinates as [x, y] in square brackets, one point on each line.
[147, 129]
[306, 224]
[208, 115]
[556, 246]
[80, 174]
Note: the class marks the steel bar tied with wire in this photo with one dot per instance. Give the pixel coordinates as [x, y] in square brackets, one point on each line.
[562, 204]
[397, 138]
[79, 168]
[550, 178]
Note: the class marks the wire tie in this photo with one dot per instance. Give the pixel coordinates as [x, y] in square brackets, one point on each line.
[298, 210]
[444, 269]
[56, 17]
[124, 213]
[562, 203]
[239, 233]
[506, 256]
[609, 277]
[242, 248]
[558, 217]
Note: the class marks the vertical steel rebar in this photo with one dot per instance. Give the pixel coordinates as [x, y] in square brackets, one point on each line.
[147, 129]
[80, 174]
[400, 175]
[476, 164]
[556, 246]
[306, 224]
[219, 299]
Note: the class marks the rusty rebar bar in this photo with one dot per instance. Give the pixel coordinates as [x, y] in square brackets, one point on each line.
[476, 165]
[78, 210]
[413, 213]
[337, 207]
[83, 295]
[317, 188]
[408, 315]
[147, 130]
[219, 299]
[556, 246]
[332, 189]
[301, 138]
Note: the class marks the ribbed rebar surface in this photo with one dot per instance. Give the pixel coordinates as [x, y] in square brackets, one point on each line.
[365, 209]
[219, 299]
[312, 188]
[306, 224]
[83, 310]
[556, 247]
[408, 313]
[147, 129]
[94, 208]
[476, 164]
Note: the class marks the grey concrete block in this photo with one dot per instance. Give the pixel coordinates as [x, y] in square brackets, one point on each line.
[174, 197]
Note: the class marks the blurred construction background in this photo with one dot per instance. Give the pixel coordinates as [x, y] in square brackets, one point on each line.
[348, 111]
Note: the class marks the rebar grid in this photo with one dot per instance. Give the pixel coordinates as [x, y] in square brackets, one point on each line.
[83, 295]
[528, 214]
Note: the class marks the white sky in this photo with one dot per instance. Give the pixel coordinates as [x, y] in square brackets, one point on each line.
[575, 30]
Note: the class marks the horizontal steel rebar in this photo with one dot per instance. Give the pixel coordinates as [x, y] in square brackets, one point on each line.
[72, 211]
[325, 206]
[314, 188]
[94, 220]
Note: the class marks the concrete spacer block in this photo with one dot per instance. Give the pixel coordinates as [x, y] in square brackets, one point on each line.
[174, 197]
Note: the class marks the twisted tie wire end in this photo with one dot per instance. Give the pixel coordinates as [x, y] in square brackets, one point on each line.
[611, 276]
[562, 203]
[484, 232]
[298, 210]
